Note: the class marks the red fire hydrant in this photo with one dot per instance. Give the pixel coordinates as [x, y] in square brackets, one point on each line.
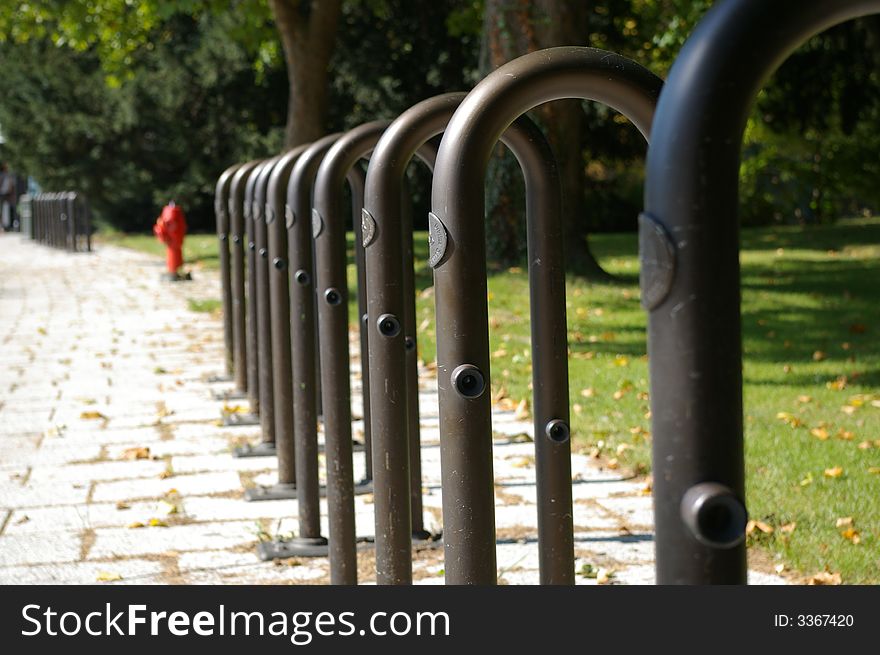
[170, 229]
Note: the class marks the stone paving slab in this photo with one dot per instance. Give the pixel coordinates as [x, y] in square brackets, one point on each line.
[108, 421]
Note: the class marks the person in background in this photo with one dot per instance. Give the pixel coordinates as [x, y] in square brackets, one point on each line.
[7, 197]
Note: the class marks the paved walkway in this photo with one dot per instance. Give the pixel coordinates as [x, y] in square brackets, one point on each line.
[113, 465]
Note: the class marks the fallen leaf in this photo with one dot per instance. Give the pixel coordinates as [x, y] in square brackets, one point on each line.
[789, 419]
[839, 384]
[234, 409]
[137, 452]
[865, 445]
[851, 535]
[135, 525]
[824, 578]
[874, 470]
[844, 521]
[589, 392]
[122, 505]
[522, 410]
[818, 356]
[107, 576]
[788, 528]
[753, 525]
[820, 433]
[808, 479]
[158, 523]
[92, 415]
[779, 568]
[834, 472]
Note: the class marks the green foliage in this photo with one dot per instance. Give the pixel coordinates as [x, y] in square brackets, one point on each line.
[390, 54]
[191, 105]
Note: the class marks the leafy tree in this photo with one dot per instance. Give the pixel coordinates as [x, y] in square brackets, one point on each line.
[190, 104]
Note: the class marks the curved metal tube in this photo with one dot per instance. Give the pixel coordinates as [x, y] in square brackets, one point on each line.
[303, 337]
[279, 312]
[264, 324]
[356, 180]
[221, 204]
[459, 259]
[253, 300]
[236, 238]
[691, 207]
[328, 230]
[422, 122]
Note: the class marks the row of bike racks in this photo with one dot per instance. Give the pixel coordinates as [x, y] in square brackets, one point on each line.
[281, 227]
[61, 220]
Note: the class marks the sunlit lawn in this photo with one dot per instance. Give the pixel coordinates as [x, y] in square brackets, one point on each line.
[811, 371]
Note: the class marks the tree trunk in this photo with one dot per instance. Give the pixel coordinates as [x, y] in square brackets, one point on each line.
[308, 34]
[512, 28]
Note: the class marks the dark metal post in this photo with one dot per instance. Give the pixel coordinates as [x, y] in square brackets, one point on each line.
[690, 279]
[279, 310]
[459, 260]
[70, 222]
[356, 180]
[35, 217]
[238, 237]
[87, 221]
[75, 219]
[221, 211]
[253, 362]
[264, 327]
[53, 225]
[61, 225]
[328, 229]
[428, 154]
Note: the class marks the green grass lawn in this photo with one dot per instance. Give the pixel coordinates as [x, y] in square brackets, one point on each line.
[811, 372]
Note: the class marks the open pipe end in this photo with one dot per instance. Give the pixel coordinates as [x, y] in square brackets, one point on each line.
[714, 515]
